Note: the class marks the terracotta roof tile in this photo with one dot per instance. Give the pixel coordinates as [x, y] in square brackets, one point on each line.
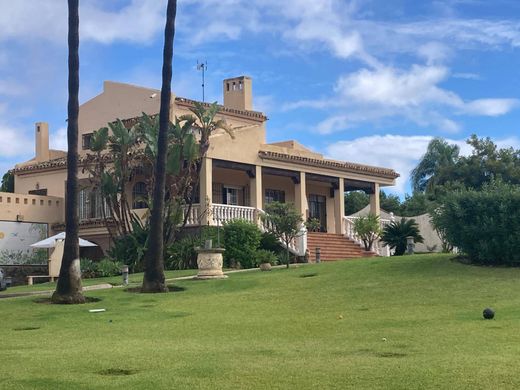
[339, 165]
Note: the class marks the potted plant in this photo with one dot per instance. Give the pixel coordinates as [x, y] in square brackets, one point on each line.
[313, 225]
[265, 259]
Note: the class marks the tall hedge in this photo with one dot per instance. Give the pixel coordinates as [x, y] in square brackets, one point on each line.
[241, 240]
[484, 225]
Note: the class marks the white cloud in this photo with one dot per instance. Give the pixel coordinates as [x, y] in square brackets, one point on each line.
[58, 139]
[415, 94]
[395, 87]
[333, 124]
[401, 153]
[491, 107]
[398, 152]
[434, 52]
[139, 21]
[14, 142]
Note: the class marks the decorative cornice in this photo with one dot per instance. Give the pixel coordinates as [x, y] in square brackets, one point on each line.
[60, 162]
[254, 115]
[85, 223]
[325, 163]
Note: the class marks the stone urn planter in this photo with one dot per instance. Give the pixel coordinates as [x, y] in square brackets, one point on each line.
[209, 262]
[265, 267]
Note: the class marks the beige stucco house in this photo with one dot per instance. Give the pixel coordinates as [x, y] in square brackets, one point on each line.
[239, 176]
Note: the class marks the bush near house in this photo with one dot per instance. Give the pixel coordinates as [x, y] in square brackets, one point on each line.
[394, 235]
[104, 268]
[241, 240]
[484, 225]
[265, 256]
[368, 229]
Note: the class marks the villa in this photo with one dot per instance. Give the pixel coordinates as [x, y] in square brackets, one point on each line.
[239, 176]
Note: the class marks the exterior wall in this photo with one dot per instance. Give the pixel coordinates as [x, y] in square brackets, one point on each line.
[31, 208]
[244, 145]
[53, 181]
[118, 100]
[431, 238]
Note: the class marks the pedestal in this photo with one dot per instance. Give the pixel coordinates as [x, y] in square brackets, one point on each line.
[209, 262]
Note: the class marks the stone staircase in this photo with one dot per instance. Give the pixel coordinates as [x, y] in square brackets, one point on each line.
[334, 247]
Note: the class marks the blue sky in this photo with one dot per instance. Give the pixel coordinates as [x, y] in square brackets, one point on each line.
[362, 81]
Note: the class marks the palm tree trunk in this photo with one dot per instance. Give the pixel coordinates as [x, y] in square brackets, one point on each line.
[153, 280]
[69, 288]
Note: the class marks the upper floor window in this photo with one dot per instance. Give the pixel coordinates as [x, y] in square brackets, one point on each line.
[86, 140]
[139, 195]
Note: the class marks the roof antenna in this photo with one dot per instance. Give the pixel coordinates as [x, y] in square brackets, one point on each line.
[203, 67]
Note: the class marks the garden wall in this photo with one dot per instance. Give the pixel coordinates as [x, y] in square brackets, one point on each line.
[19, 272]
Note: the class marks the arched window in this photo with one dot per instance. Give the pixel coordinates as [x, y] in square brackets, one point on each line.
[139, 195]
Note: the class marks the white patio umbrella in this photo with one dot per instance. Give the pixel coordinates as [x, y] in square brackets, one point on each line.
[50, 242]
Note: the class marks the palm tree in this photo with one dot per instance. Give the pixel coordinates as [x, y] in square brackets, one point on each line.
[154, 280]
[68, 289]
[394, 235]
[439, 156]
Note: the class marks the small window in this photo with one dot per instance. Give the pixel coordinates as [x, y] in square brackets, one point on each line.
[139, 195]
[227, 86]
[274, 196]
[86, 141]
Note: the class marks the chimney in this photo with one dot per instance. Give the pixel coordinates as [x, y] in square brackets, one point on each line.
[238, 93]
[42, 141]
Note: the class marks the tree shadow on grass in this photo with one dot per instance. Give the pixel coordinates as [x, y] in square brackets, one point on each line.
[47, 300]
[171, 288]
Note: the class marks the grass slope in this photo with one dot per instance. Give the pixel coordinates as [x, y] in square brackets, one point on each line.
[279, 330]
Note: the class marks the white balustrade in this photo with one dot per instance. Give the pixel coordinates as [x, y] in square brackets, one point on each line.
[223, 213]
[193, 215]
[378, 246]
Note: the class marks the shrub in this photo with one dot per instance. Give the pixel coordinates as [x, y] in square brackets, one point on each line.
[394, 234]
[368, 229]
[265, 256]
[130, 249]
[270, 242]
[88, 268]
[108, 267]
[181, 254]
[284, 222]
[241, 240]
[484, 225]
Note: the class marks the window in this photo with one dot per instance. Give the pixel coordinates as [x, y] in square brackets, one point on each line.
[91, 204]
[230, 196]
[139, 195]
[86, 140]
[274, 196]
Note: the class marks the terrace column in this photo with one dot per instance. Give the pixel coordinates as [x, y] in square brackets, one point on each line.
[300, 196]
[206, 191]
[255, 184]
[339, 206]
[374, 201]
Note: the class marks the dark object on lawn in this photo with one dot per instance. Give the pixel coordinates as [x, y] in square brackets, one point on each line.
[488, 313]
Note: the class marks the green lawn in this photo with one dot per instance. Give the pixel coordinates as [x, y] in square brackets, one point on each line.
[114, 280]
[279, 330]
